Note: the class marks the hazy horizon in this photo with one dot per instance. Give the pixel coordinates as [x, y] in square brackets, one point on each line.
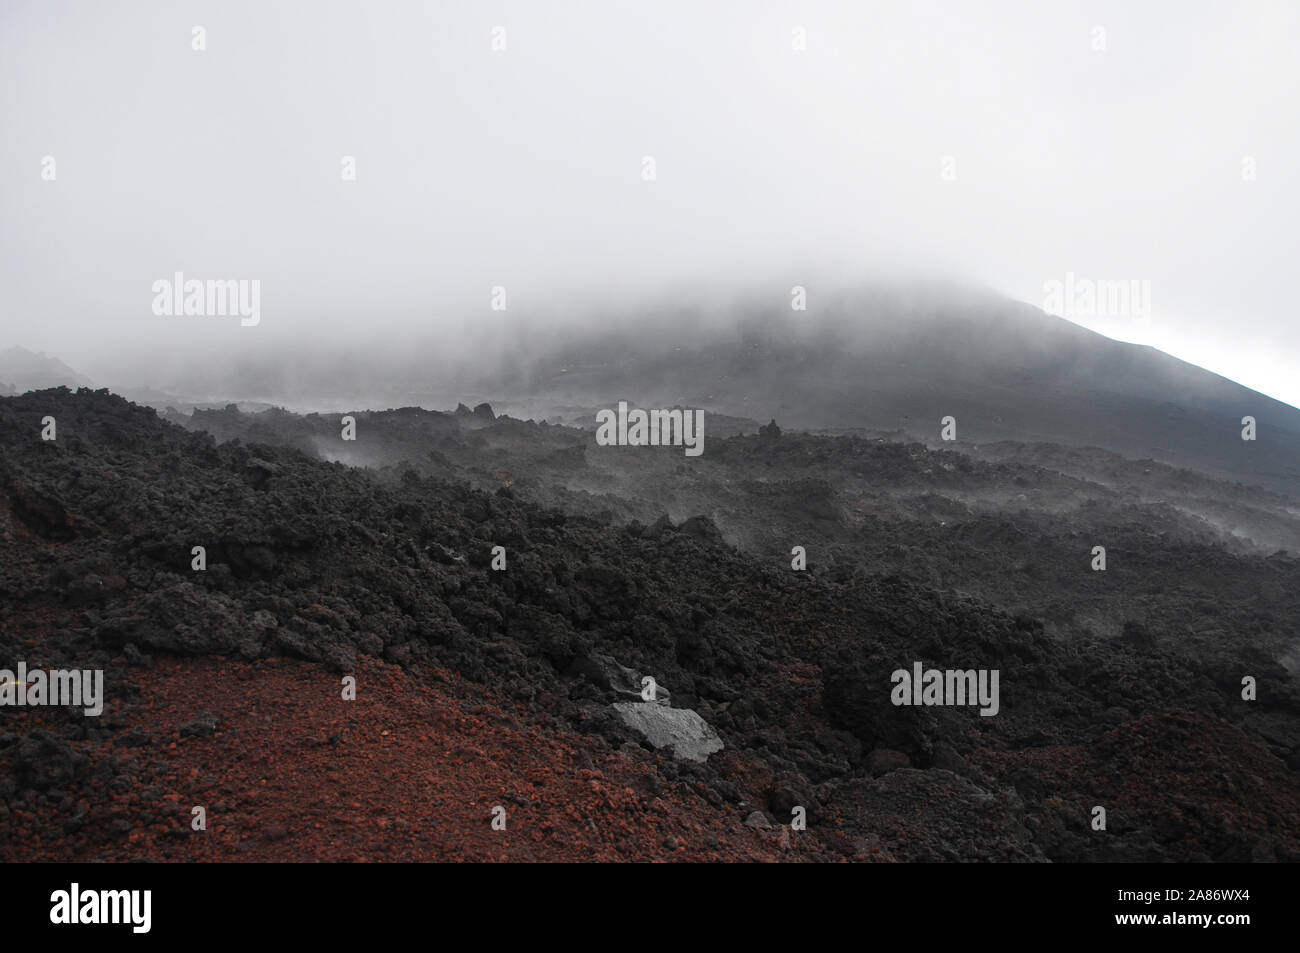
[504, 147]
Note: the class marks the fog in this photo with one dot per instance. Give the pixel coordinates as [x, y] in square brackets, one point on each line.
[816, 144]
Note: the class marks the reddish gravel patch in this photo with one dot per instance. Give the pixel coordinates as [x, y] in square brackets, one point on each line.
[409, 771]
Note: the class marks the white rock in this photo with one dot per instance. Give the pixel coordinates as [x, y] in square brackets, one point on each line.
[684, 731]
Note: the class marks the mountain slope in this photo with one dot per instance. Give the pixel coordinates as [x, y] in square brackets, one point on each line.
[877, 357]
[1004, 370]
[26, 370]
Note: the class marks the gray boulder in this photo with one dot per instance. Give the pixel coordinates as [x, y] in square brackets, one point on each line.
[682, 730]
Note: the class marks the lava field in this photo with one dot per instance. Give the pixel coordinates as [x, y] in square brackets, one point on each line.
[434, 642]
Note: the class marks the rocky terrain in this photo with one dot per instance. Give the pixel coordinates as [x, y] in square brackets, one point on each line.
[481, 684]
[893, 358]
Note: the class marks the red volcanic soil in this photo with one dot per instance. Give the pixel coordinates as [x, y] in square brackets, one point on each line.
[409, 771]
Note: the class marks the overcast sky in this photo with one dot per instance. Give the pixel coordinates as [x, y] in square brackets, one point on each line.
[1008, 143]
